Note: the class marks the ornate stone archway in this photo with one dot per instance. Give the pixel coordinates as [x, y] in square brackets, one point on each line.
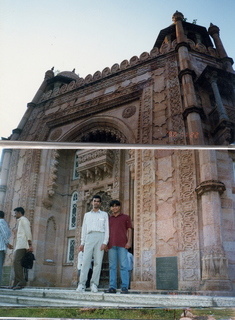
[100, 129]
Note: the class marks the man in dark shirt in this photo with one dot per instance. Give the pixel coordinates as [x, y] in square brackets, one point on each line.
[120, 236]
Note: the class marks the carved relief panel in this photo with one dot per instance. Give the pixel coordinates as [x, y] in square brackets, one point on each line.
[189, 259]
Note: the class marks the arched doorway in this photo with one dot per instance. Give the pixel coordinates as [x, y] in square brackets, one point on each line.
[99, 129]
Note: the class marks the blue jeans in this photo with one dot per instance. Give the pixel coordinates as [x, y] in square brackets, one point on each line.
[118, 255]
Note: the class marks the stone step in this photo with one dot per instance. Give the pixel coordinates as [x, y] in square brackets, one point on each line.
[59, 297]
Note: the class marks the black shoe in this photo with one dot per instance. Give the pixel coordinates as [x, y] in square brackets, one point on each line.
[110, 290]
[124, 290]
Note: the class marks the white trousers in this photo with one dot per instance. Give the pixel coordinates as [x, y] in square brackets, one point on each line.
[94, 241]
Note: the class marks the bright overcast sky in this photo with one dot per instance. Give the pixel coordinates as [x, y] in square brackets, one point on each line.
[87, 35]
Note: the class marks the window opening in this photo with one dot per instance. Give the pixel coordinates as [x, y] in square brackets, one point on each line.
[73, 211]
[71, 245]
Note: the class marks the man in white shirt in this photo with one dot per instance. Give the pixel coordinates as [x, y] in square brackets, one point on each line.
[23, 244]
[94, 239]
[5, 234]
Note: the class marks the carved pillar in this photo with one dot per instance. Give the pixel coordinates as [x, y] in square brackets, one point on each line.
[219, 104]
[187, 212]
[214, 33]
[192, 110]
[147, 115]
[52, 185]
[6, 159]
[144, 217]
[214, 260]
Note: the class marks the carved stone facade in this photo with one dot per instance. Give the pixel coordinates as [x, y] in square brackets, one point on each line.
[181, 203]
[180, 93]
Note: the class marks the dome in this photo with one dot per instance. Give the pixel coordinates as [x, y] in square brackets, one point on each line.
[68, 74]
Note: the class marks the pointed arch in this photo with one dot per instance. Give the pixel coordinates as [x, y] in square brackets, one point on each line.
[50, 254]
[111, 128]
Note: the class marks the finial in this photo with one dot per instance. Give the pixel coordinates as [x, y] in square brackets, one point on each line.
[73, 70]
[177, 16]
[52, 68]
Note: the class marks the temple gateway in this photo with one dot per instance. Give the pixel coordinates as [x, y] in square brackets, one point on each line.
[181, 200]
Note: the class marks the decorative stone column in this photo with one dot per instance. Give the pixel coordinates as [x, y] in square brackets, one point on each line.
[191, 109]
[6, 159]
[214, 261]
[219, 104]
[142, 166]
[214, 33]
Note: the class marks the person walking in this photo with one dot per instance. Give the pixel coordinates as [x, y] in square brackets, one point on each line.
[23, 244]
[5, 235]
[120, 240]
[94, 239]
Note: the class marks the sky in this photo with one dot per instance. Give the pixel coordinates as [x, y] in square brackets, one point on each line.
[88, 35]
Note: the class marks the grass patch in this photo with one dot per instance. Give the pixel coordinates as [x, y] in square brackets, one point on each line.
[116, 313]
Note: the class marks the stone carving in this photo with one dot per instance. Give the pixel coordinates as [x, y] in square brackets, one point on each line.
[144, 56]
[29, 173]
[106, 72]
[134, 60]
[55, 92]
[210, 185]
[52, 186]
[201, 48]
[138, 262]
[191, 43]
[188, 218]
[175, 102]
[33, 189]
[115, 68]
[154, 52]
[116, 183]
[129, 112]
[95, 165]
[97, 75]
[214, 265]
[49, 253]
[165, 47]
[147, 264]
[63, 89]
[124, 64]
[71, 85]
[88, 78]
[147, 116]
[131, 162]
[56, 134]
[109, 131]
[11, 181]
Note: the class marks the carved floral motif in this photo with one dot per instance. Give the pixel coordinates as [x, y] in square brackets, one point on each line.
[175, 106]
[188, 217]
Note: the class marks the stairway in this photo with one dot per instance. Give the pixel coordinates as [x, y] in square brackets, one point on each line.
[60, 297]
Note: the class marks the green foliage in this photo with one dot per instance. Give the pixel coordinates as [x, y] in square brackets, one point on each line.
[194, 20]
[116, 313]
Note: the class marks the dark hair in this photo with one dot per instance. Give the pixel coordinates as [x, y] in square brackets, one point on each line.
[113, 202]
[20, 209]
[2, 214]
[96, 197]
